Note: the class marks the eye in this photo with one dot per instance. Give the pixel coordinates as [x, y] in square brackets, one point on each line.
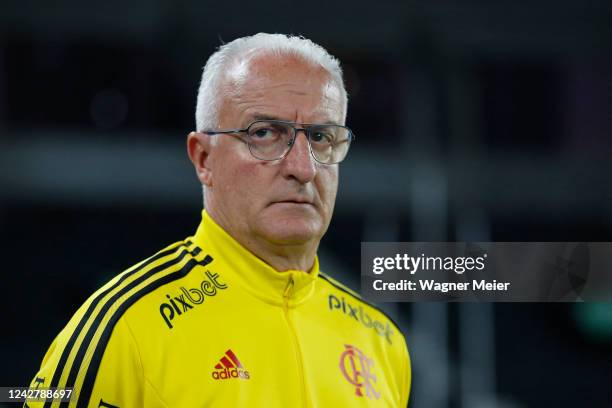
[267, 132]
[263, 133]
[321, 136]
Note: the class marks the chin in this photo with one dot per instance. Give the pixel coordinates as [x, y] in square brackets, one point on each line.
[292, 231]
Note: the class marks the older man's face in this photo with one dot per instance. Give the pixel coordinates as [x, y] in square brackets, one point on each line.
[284, 202]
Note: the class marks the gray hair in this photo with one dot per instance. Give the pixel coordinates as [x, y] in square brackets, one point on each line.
[209, 100]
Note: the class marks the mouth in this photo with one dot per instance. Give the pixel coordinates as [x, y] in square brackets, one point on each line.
[296, 201]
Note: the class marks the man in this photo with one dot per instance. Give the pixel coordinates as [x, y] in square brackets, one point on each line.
[239, 314]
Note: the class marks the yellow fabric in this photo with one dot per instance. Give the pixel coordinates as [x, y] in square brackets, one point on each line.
[205, 323]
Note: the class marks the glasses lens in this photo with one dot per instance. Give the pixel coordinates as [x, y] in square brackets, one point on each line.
[329, 143]
[269, 140]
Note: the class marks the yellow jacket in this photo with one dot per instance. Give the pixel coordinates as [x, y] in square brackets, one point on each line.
[205, 323]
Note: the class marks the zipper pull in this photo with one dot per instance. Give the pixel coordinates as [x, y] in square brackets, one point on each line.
[289, 287]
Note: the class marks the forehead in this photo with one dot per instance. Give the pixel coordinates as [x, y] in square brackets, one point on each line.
[284, 86]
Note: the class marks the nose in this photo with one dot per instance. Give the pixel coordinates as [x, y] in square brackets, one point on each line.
[299, 163]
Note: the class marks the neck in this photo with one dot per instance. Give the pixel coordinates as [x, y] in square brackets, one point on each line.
[282, 256]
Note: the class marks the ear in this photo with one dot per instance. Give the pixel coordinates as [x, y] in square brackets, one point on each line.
[199, 148]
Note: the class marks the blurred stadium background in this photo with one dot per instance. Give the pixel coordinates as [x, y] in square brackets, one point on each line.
[475, 121]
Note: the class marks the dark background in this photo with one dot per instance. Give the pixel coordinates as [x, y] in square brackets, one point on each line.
[474, 120]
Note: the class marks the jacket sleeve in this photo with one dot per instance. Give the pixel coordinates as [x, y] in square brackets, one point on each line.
[117, 380]
[407, 376]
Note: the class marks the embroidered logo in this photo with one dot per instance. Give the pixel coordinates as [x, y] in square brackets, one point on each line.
[229, 367]
[356, 368]
[189, 298]
[361, 316]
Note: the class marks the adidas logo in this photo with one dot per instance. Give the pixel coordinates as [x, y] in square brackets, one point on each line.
[230, 367]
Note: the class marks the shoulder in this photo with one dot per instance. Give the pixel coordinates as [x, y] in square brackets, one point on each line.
[124, 295]
[84, 340]
[127, 288]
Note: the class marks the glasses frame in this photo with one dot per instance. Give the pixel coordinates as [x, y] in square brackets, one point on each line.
[303, 127]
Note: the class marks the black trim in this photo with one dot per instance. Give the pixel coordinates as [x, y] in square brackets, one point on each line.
[59, 368]
[78, 359]
[94, 365]
[336, 285]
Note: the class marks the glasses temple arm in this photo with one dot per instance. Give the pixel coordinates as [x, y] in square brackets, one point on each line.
[223, 132]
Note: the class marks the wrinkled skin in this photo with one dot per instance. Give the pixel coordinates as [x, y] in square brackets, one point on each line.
[281, 209]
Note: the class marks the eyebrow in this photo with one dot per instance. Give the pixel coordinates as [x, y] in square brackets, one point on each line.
[263, 116]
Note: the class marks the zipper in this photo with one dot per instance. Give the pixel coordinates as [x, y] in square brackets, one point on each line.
[288, 290]
[296, 345]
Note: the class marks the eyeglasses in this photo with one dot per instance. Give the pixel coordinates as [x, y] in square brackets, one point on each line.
[273, 139]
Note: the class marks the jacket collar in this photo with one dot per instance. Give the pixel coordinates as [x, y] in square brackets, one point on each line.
[261, 280]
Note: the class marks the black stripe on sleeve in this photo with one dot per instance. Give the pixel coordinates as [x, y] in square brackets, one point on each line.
[59, 368]
[94, 365]
[78, 359]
